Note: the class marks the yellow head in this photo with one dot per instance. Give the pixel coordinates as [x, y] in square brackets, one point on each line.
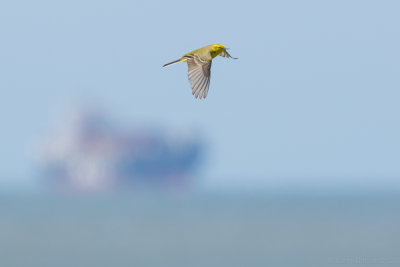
[217, 47]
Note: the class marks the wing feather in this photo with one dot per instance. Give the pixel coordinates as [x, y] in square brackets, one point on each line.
[203, 84]
[198, 88]
[207, 87]
[199, 72]
[196, 81]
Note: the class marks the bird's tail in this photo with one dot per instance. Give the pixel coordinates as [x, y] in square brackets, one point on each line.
[173, 62]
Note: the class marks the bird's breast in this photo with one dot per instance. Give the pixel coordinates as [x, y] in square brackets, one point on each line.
[215, 53]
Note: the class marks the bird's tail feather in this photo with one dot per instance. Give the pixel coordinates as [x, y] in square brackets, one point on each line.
[173, 62]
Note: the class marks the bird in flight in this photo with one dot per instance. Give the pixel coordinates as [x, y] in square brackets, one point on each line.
[199, 66]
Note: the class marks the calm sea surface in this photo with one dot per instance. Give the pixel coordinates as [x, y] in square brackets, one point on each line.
[200, 230]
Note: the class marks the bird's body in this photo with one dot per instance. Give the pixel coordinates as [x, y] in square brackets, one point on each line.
[199, 66]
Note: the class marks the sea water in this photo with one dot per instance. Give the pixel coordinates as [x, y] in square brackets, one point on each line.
[229, 229]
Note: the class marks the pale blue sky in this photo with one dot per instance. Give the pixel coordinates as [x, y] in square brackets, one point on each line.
[314, 95]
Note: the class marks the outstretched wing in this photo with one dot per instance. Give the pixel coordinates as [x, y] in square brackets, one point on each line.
[199, 75]
[226, 54]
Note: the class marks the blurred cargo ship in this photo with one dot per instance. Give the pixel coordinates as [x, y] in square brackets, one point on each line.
[91, 154]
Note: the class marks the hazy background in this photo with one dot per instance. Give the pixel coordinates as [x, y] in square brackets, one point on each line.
[311, 106]
[313, 96]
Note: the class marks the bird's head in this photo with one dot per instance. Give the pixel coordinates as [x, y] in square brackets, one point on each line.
[217, 47]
